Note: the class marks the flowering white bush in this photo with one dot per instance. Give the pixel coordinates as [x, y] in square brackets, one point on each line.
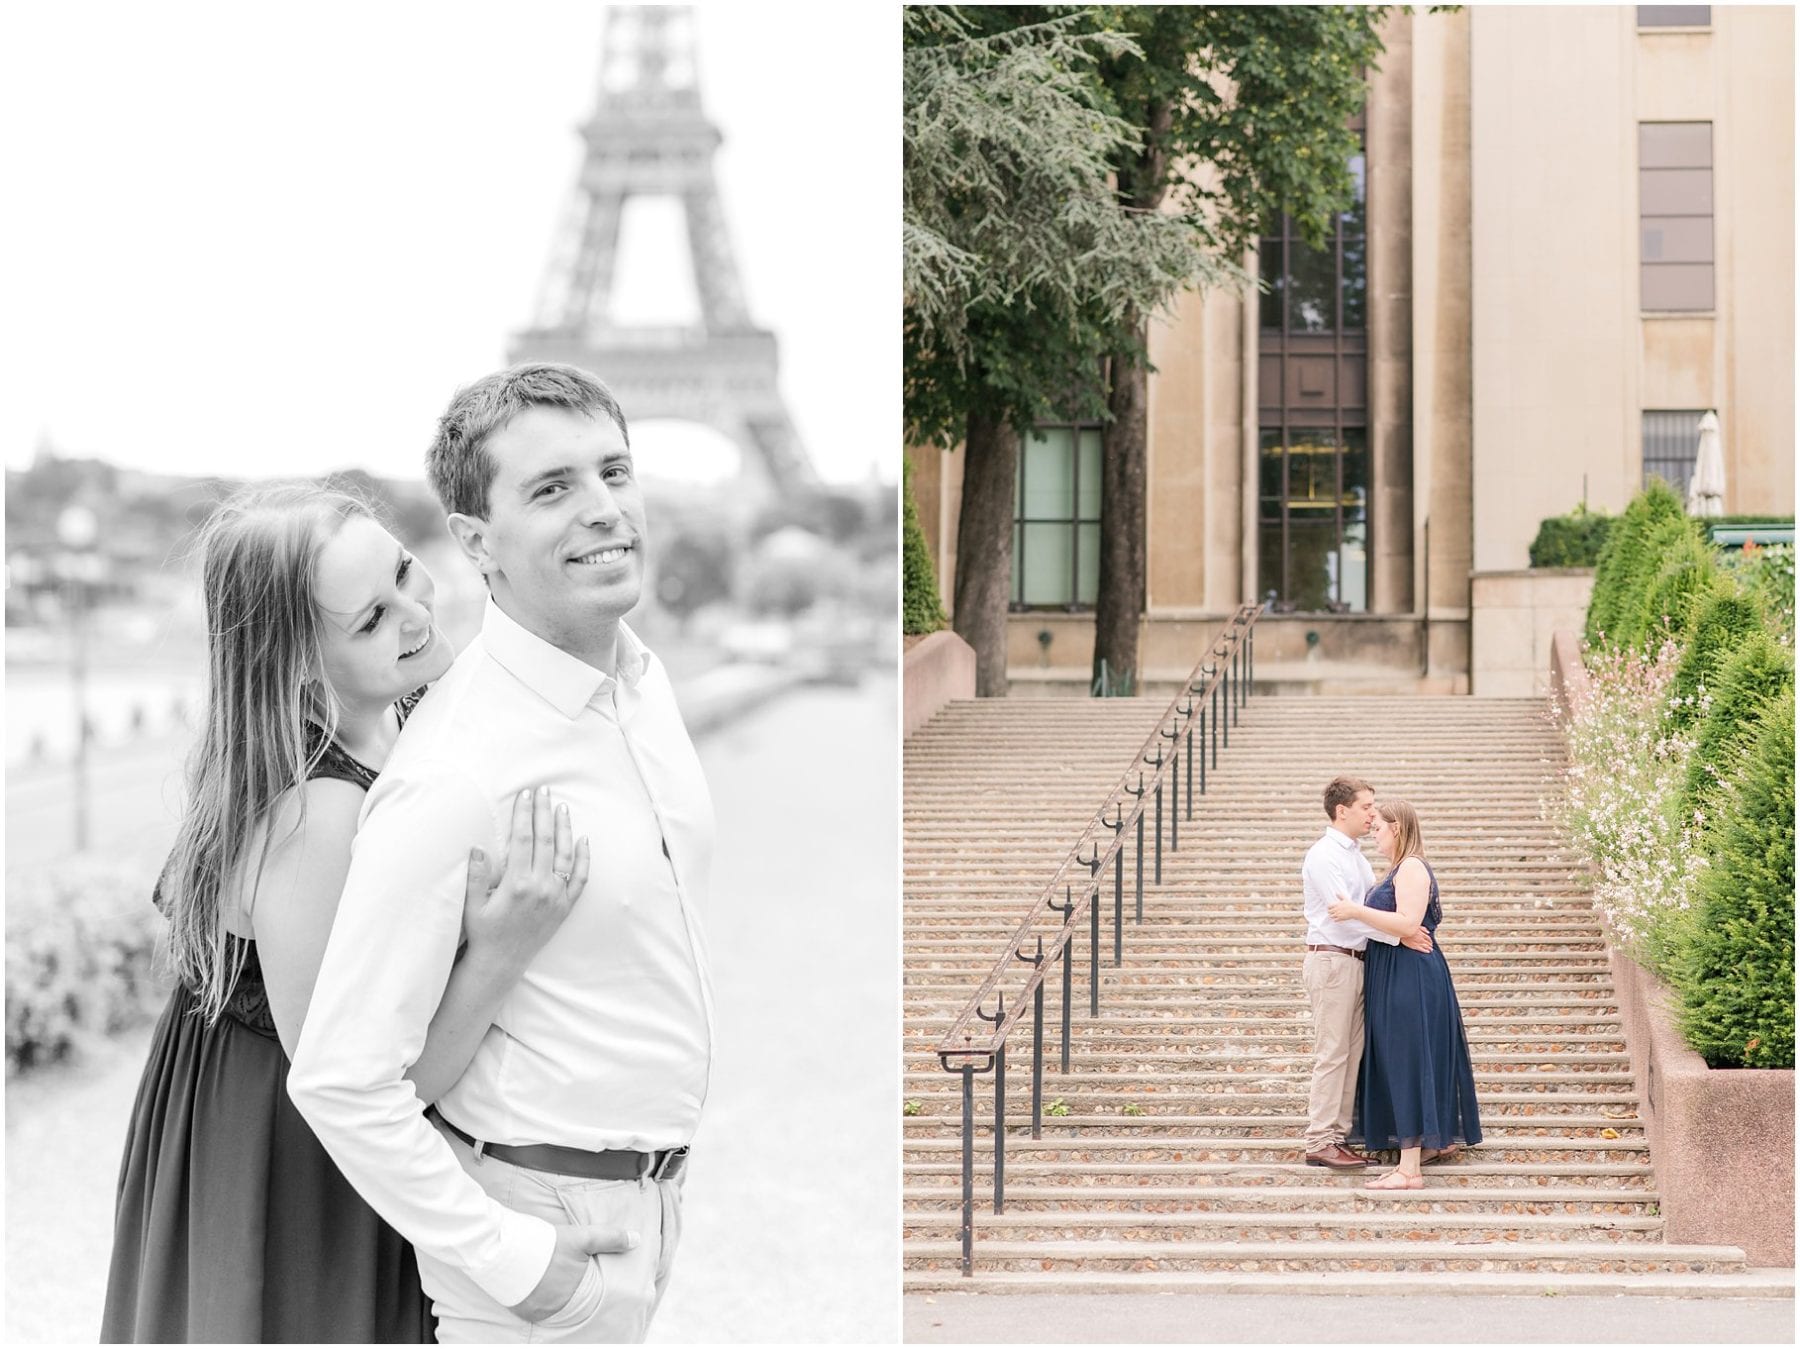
[1619, 807]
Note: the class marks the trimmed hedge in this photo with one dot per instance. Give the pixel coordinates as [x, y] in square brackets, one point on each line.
[1572, 540]
[1622, 560]
[1758, 672]
[1635, 623]
[922, 608]
[1724, 617]
[81, 940]
[1686, 570]
[1736, 977]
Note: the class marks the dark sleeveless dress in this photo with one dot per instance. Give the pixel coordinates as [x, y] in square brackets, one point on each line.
[1417, 1085]
[233, 1224]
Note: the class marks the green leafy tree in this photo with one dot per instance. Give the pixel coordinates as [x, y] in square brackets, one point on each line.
[1736, 977]
[1023, 268]
[1240, 113]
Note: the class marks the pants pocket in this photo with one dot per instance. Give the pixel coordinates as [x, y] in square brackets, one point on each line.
[584, 1302]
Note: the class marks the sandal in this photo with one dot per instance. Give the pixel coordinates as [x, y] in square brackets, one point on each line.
[1396, 1180]
[1449, 1154]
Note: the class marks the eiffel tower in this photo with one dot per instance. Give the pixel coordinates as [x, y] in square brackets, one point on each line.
[648, 136]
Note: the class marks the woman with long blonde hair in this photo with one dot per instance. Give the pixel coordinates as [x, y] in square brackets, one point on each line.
[232, 1222]
[1416, 1092]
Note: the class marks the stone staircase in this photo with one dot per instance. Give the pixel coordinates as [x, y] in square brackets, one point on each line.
[1177, 1163]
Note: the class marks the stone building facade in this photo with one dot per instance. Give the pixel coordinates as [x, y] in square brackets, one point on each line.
[1574, 237]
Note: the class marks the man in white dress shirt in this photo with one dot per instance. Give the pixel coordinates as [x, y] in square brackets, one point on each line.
[1333, 973]
[570, 1126]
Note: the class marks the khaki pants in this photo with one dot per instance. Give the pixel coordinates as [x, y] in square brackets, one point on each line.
[618, 1295]
[1334, 986]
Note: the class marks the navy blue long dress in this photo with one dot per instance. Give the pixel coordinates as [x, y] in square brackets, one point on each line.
[1417, 1086]
[233, 1225]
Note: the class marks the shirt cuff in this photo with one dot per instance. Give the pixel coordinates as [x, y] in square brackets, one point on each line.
[526, 1245]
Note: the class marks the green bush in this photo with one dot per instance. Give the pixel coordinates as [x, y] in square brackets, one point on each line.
[1768, 573]
[1572, 540]
[922, 609]
[1759, 671]
[1736, 977]
[80, 958]
[1622, 558]
[1686, 570]
[1636, 620]
[1723, 618]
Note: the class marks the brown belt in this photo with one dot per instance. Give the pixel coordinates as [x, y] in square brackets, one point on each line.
[561, 1161]
[1341, 950]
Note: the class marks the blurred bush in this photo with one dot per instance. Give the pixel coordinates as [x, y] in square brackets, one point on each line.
[922, 608]
[1616, 574]
[81, 940]
[1723, 618]
[1572, 540]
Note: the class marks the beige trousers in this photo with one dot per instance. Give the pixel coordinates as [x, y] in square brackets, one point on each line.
[616, 1298]
[1334, 986]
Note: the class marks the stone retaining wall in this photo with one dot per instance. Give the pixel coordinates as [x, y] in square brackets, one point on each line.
[1721, 1139]
[938, 667]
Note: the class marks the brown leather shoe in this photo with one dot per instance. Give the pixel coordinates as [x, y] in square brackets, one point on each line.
[1337, 1157]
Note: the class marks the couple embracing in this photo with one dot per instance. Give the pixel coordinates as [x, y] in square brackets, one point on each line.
[1391, 1065]
[467, 913]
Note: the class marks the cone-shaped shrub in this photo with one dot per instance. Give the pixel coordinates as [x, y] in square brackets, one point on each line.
[1623, 558]
[1634, 624]
[1685, 572]
[922, 607]
[1736, 978]
[1723, 617]
[1760, 671]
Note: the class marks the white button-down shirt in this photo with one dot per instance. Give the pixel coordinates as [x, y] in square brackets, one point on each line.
[1335, 866]
[606, 1041]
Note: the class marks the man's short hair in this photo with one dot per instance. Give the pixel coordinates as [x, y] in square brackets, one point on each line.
[1343, 791]
[458, 464]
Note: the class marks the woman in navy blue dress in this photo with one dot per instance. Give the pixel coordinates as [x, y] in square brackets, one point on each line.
[1416, 1091]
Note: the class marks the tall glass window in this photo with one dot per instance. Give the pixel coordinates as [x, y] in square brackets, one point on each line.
[1671, 442]
[1312, 377]
[1056, 519]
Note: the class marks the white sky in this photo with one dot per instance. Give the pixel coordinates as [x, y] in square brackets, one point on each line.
[259, 239]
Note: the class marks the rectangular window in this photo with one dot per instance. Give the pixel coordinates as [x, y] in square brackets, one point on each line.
[1056, 519]
[1671, 440]
[1675, 216]
[1674, 16]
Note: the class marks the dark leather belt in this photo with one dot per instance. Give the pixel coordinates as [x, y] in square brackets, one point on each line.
[561, 1161]
[1341, 950]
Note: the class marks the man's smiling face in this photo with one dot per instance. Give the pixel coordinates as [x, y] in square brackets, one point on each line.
[565, 527]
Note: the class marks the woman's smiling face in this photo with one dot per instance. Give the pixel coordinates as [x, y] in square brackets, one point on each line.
[377, 639]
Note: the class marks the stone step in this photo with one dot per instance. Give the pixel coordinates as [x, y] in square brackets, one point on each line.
[1259, 1118]
[1472, 1170]
[1166, 1146]
[1746, 1283]
[1375, 1223]
[1604, 1256]
[1494, 1200]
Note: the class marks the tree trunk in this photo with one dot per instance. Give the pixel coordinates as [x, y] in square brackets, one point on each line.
[1120, 604]
[984, 535]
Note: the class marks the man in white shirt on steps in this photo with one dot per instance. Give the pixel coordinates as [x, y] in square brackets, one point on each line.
[1333, 972]
[545, 1204]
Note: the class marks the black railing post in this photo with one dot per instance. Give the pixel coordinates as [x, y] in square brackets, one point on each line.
[1037, 1043]
[1094, 949]
[1190, 766]
[1119, 893]
[1067, 909]
[1175, 798]
[968, 1170]
[1159, 832]
[1215, 724]
[1000, 1113]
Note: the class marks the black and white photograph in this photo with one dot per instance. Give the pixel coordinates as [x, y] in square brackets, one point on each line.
[452, 650]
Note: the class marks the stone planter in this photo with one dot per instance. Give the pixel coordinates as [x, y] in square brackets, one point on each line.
[1721, 1139]
[938, 667]
[1515, 615]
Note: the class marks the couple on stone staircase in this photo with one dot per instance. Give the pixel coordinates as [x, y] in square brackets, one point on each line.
[1391, 1064]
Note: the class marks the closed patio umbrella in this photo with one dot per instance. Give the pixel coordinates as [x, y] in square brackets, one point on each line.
[1706, 489]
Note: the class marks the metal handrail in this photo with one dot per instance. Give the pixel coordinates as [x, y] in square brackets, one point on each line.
[1224, 674]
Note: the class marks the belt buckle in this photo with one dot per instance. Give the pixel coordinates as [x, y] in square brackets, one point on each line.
[670, 1164]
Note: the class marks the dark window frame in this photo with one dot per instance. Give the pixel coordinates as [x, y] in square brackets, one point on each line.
[1669, 431]
[1015, 596]
[1678, 18]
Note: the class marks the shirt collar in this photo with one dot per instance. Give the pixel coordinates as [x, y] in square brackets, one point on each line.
[565, 682]
[1339, 837]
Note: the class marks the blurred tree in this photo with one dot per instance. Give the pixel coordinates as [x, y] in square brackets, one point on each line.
[693, 569]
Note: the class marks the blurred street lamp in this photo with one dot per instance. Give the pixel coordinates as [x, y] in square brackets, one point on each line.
[77, 528]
